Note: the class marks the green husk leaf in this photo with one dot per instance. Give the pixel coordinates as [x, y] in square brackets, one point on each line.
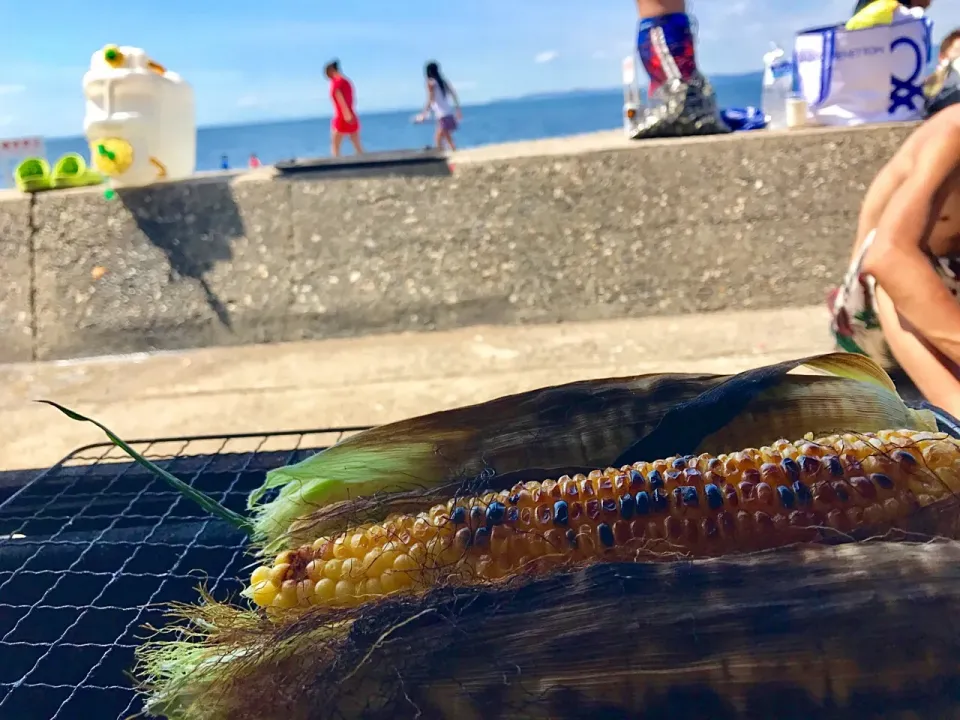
[576, 427]
[202, 499]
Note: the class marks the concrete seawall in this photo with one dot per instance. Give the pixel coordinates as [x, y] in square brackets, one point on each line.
[576, 229]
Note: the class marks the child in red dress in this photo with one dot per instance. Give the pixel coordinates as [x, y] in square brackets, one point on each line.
[345, 122]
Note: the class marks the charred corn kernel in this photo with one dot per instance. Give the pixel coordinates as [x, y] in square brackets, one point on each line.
[694, 505]
[279, 572]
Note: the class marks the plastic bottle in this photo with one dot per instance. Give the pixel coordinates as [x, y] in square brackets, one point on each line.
[140, 118]
[631, 94]
[777, 87]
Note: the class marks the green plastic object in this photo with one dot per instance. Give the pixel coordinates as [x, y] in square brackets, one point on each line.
[71, 171]
[109, 193]
[32, 175]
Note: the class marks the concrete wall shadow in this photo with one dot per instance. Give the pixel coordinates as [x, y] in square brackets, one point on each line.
[194, 225]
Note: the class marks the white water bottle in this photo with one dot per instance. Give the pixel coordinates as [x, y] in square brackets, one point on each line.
[777, 87]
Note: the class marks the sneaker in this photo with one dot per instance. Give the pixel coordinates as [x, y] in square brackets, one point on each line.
[681, 109]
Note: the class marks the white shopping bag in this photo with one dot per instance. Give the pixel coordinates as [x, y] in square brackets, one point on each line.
[851, 77]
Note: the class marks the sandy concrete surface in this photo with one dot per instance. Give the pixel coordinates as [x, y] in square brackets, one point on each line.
[579, 229]
[369, 380]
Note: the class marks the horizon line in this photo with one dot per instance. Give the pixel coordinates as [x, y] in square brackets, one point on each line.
[414, 110]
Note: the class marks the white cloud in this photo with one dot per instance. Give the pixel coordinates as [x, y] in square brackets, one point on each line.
[12, 89]
[249, 101]
[736, 9]
[546, 56]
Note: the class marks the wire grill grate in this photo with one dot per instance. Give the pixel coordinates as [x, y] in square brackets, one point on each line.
[93, 548]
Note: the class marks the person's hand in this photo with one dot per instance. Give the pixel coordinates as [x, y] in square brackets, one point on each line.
[459, 114]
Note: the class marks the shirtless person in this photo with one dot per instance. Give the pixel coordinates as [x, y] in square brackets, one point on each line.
[899, 301]
[345, 121]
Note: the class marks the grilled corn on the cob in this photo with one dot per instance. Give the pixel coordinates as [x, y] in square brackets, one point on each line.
[695, 505]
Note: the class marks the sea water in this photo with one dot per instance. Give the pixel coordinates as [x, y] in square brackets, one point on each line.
[528, 118]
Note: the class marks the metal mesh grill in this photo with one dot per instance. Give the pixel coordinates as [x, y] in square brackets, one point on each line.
[92, 549]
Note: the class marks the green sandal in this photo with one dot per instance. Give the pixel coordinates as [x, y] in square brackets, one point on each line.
[71, 171]
[32, 175]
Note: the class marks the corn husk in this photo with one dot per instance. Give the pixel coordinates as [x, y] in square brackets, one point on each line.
[735, 634]
[850, 631]
[572, 428]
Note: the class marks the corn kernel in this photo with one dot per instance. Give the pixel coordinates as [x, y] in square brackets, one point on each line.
[372, 588]
[259, 575]
[324, 590]
[323, 549]
[359, 543]
[747, 500]
[340, 549]
[376, 561]
[315, 569]
[305, 593]
[287, 597]
[418, 553]
[344, 590]
[279, 573]
[332, 569]
[264, 592]
[352, 569]
[405, 563]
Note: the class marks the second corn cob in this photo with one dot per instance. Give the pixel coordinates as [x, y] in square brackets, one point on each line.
[694, 505]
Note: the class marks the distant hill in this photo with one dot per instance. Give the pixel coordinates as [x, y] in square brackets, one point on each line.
[719, 81]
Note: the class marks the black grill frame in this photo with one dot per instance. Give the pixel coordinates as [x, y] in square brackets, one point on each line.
[105, 546]
[60, 672]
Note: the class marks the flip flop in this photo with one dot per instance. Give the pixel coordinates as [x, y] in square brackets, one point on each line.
[32, 175]
[71, 171]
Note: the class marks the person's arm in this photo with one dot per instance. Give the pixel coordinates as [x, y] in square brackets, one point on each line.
[431, 93]
[342, 104]
[456, 100]
[934, 375]
[896, 259]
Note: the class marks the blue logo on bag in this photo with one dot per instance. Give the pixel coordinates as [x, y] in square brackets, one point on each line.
[856, 53]
[906, 90]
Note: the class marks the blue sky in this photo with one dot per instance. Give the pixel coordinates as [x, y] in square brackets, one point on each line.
[250, 59]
